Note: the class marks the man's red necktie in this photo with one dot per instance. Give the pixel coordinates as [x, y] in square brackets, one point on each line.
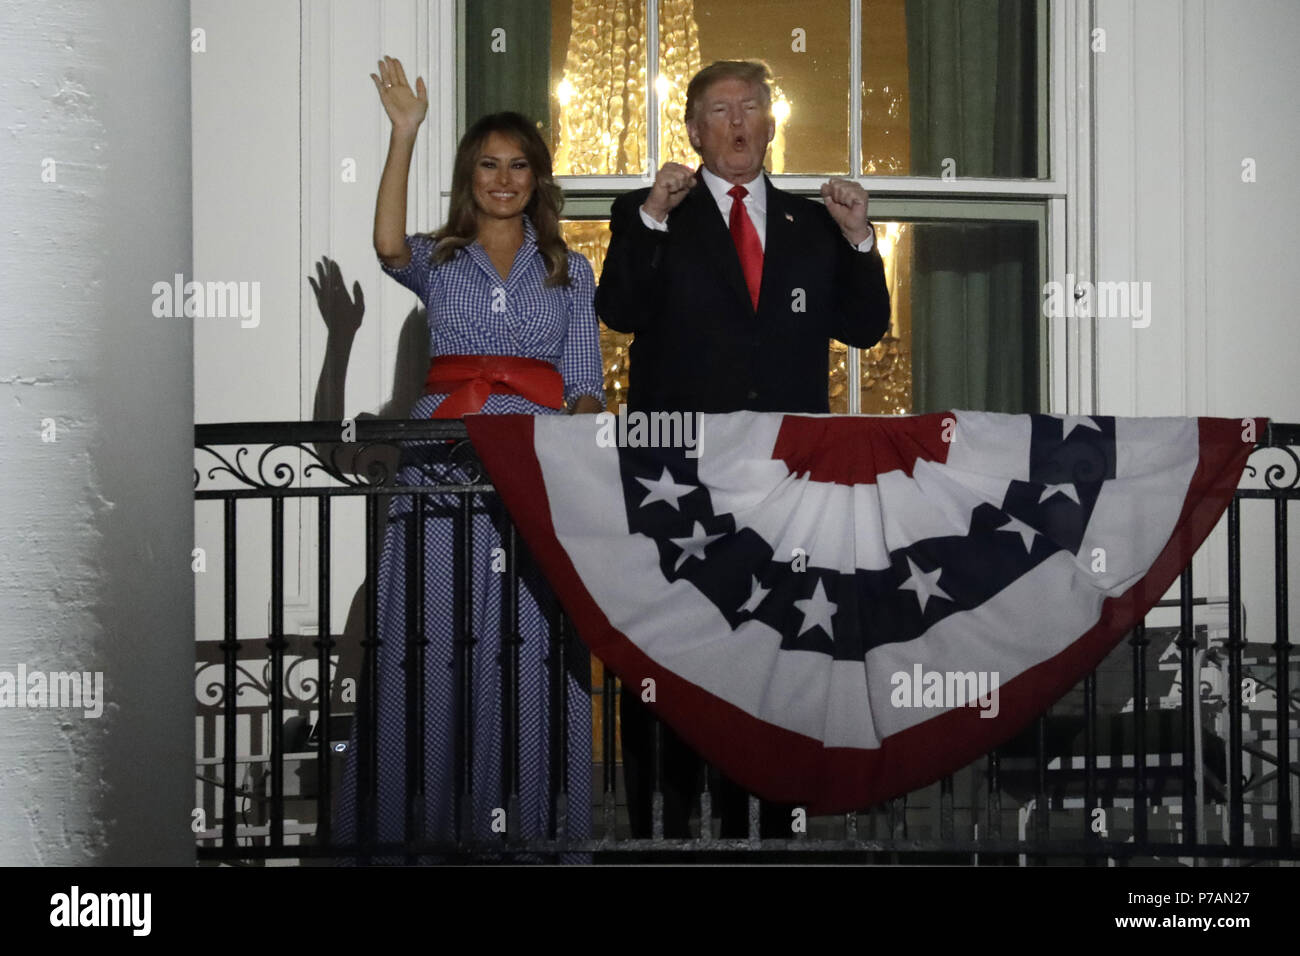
[745, 236]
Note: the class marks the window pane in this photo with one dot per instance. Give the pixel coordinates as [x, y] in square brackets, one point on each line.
[805, 45]
[966, 319]
[575, 66]
[950, 88]
[885, 368]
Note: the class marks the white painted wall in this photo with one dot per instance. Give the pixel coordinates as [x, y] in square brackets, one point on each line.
[97, 526]
[246, 159]
[282, 99]
[283, 102]
[1185, 91]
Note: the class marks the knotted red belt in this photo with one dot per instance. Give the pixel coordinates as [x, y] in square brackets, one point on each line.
[468, 380]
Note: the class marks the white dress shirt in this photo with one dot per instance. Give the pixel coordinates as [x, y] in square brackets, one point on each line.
[755, 205]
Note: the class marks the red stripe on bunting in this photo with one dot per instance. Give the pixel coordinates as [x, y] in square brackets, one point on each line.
[855, 451]
[784, 766]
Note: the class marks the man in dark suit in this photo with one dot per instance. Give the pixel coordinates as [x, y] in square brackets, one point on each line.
[733, 289]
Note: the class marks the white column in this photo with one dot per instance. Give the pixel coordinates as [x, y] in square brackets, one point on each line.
[97, 523]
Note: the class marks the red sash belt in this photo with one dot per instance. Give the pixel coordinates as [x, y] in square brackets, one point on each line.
[468, 380]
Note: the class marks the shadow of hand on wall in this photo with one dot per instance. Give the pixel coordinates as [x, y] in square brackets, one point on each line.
[343, 314]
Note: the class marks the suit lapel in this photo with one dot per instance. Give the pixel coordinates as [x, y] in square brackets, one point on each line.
[778, 249]
[699, 217]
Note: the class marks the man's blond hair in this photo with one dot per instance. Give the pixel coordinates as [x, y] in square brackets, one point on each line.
[751, 71]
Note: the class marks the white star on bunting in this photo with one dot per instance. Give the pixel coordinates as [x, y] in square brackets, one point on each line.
[693, 547]
[1065, 489]
[1016, 526]
[664, 489]
[817, 611]
[756, 596]
[1070, 422]
[926, 585]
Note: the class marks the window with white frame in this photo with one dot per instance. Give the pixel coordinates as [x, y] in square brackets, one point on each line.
[939, 108]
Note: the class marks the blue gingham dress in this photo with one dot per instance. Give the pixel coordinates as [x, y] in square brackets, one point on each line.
[473, 311]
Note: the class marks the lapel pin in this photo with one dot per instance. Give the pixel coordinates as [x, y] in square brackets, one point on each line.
[789, 217]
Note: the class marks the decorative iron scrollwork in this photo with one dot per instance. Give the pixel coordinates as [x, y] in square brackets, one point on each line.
[385, 454]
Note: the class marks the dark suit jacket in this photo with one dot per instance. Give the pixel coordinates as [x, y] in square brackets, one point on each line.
[699, 345]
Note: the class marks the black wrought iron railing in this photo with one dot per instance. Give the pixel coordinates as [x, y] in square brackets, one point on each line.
[1127, 766]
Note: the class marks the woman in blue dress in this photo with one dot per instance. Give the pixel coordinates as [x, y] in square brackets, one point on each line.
[512, 330]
